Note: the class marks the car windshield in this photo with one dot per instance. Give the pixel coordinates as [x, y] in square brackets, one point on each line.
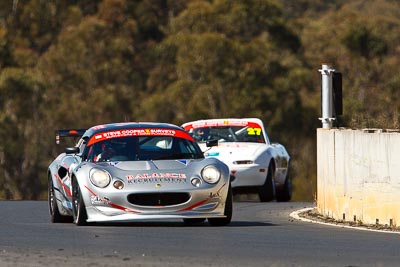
[135, 148]
[228, 134]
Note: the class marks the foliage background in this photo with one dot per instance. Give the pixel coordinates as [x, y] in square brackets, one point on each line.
[77, 63]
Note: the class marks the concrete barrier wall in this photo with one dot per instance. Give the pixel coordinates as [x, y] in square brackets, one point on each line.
[358, 175]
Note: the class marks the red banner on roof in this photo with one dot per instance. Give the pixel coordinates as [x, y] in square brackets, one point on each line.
[138, 132]
[221, 123]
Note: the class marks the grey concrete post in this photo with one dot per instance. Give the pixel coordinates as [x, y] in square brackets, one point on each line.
[327, 96]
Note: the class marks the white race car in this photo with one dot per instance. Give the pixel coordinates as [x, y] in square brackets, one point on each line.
[255, 164]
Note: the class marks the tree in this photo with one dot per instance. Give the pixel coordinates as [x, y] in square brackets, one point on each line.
[359, 39]
[20, 160]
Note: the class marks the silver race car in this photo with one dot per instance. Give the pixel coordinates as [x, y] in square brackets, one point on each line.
[137, 171]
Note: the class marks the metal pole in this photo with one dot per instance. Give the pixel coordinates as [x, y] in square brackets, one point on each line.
[327, 96]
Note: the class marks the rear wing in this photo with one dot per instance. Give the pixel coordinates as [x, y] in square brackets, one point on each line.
[69, 133]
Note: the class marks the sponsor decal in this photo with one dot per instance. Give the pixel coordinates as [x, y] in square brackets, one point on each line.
[99, 200]
[98, 127]
[95, 197]
[211, 154]
[138, 132]
[253, 131]
[184, 161]
[214, 195]
[158, 178]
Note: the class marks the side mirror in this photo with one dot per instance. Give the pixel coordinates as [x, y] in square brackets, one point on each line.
[72, 150]
[212, 143]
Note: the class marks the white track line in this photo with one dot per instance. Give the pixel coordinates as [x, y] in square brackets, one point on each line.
[295, 215]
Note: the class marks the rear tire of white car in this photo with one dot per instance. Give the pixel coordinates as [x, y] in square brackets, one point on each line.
[78, 206]
[285, 194]
[266, 191]
[55, 215]
[227, 212]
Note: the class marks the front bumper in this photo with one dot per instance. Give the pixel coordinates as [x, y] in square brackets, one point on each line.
[203, 203]
[247, 175]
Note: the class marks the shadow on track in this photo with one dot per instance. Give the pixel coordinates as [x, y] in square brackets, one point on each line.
[179, 224]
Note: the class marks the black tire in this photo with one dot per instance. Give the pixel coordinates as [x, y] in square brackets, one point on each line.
[227, 212]
[55, 215]
[78, 206]
[266, 191]
[285, 194]
[191, 221]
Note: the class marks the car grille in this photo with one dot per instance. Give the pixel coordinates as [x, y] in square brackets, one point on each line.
[158, 199]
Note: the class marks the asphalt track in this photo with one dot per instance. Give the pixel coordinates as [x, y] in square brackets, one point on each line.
[261, 234]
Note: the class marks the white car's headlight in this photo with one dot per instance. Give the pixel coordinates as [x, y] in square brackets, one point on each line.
[100, 178]
[211, 174]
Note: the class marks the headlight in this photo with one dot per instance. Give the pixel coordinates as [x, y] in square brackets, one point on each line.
[100, 178]
[211, 174]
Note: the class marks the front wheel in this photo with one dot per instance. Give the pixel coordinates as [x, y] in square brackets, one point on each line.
[266, 191]
[78, 206]
[227, 211]
[55, 215]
